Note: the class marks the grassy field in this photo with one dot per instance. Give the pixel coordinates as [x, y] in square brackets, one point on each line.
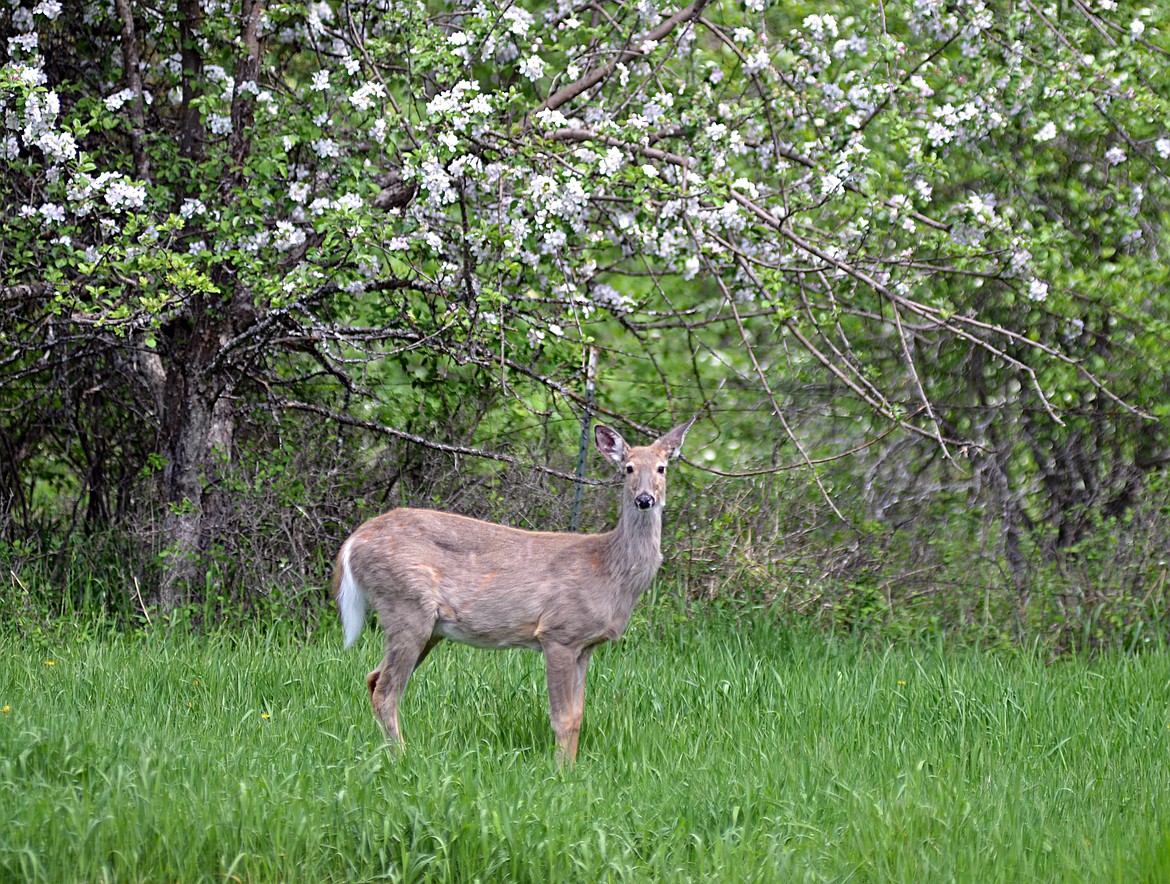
[712, 750]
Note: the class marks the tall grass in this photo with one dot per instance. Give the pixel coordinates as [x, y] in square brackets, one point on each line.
[712, 750]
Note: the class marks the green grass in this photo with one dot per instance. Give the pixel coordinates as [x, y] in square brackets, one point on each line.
[712, 751]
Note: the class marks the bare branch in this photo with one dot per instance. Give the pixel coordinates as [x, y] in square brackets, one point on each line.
[395, 433]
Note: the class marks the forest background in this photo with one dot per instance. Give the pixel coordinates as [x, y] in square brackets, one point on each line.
[267, 269]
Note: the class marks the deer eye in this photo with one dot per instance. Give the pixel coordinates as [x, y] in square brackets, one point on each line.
[662, 468]
[629, 468]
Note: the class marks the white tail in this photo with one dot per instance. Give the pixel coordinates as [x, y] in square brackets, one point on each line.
[351, 601]
[433, 575]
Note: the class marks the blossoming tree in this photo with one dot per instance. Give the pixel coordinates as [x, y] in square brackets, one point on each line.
[946, 215]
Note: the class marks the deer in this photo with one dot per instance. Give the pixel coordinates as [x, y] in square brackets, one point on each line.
[433, 575]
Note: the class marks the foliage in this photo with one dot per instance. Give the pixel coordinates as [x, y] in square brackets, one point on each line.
[930, 237]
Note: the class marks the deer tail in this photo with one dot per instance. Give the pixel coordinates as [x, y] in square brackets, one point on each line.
[351, 601]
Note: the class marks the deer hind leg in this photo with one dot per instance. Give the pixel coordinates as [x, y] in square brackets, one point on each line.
[372, 677]
[405, 650]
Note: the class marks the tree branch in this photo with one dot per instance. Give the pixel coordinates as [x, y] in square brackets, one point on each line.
[131, 68]
[595, 76]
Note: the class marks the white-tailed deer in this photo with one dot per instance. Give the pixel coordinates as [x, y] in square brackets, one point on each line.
[433, 575]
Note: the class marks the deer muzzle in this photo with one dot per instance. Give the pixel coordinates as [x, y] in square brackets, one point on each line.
[644, 501]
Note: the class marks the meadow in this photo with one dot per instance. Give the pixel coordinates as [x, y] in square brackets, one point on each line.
[714, 748]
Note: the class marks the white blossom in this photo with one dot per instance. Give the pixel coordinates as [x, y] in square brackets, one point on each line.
[519, 20]
[192, 207]
[1046, 133]
[1037, 290]
[1115, 156]
[363, 98]
[1021, 260]
[613, 160]
[549, 118]
[553, 242]
[58, 146]
[938, 134]
[114, 102]
[26, 42]
[922, 86]
[982, 206]
[831, 184]
[757, 62]
[1162, 145]
[532, 67]
[219, 124]
[120, 193]
[438, 183]
[607, 296]
[288, 236]
[52, 213]
[747, 186]
[468, 163]
[820, 26]
[451, 101]
[320, 81]
[50, 9]
[325, 148]
[30, 75]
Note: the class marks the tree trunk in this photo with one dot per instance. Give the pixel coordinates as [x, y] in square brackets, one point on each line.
[197, 430]
[198, 422]
[186, 448]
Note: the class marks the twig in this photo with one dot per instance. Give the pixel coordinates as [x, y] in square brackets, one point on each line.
[141, 603]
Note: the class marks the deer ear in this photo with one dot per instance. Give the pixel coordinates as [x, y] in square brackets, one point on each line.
[610, 443]
[672, 442]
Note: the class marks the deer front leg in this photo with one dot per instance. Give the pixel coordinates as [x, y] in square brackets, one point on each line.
[579, 697]
[561, 666]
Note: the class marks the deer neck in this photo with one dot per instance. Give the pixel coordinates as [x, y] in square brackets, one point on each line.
[635, 547]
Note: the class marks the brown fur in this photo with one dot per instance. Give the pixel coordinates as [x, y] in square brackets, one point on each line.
[433, 575]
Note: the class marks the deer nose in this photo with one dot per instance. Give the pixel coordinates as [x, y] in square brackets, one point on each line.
[644, 501]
